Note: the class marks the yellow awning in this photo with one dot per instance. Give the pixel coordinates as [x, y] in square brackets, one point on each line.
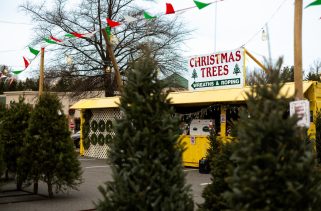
[226, 95]
[192, 97]
[106, 102]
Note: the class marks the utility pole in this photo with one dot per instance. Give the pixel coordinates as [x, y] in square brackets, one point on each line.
[41, 74]
[298, 49]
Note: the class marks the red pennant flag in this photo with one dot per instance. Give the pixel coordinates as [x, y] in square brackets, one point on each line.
[26, 62]
[112, 23]
[55, 39]
[169, 9]
[77, 34]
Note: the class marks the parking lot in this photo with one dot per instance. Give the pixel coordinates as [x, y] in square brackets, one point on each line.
[95, 173]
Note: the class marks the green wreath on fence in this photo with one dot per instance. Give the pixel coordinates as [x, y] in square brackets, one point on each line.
[101, 139]
[86, 143]
[94, 125]
[93, 139]
[108, 138]
[101, 125]
[85, 129]
[109, 125]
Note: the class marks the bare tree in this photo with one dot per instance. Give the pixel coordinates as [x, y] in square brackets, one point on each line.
[90, 57]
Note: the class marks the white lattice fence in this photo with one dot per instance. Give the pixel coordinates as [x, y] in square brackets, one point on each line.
[98, 151]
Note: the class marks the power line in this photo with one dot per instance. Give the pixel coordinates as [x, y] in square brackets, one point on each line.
[8, 51]
[275, 12]
[17, 23]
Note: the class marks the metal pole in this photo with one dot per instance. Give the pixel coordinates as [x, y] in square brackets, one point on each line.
[269, 45]
[298, 50]
[215, 28]
[41, 74]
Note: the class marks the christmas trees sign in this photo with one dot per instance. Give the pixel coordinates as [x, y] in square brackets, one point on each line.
[218, 70]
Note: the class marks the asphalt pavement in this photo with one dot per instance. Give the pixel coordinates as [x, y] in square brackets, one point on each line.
[95, 173]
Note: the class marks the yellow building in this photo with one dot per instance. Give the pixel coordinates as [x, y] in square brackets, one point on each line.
[221, 105]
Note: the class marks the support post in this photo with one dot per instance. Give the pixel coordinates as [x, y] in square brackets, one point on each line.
[223, 121]
[81, 147]
[41, 74]
[255, 60]
[113, 60]
[298, 50]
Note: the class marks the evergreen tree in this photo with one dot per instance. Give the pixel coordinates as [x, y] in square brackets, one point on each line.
[145, 155]
[219, 155]
[275, 170]
[2, 163]
[194, 74]
[12, 130]
[237, 69]
[317, 123]
[49, 153]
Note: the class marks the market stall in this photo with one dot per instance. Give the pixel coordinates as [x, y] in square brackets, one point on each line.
[199, 110]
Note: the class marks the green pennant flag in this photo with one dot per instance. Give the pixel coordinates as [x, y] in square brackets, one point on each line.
[201, 5]
[108, 30]
[34, 51]
[69, 35]
[16, 72]
[148, 16]
[316, 2]
[50, 41]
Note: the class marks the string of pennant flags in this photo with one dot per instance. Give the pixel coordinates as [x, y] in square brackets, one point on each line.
[112, 24]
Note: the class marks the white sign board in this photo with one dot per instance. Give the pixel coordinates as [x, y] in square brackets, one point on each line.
[200, 127]
[302, 109]
[217, 70]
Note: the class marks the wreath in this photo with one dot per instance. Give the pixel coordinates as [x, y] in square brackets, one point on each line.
[101, 125]
[101, 139]
[108, 138]
[86, 143]
[85, 130]
[93, 139]
[109, 125]
[94, 125]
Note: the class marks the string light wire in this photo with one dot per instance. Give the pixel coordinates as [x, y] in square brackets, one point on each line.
[259, 31]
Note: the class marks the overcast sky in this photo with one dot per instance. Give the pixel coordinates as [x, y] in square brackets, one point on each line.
[238, 23]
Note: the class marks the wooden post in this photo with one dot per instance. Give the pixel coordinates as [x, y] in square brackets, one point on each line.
[298, 49]
[113, 60]
[41, 74]
[255, 60]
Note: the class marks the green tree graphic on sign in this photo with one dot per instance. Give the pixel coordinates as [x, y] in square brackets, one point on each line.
[194, 74]
[236, 69]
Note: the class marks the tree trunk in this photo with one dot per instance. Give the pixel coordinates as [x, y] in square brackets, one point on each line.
[35, 187]
[50, 193]
[109, 89]
[19, 182]
[7, 174]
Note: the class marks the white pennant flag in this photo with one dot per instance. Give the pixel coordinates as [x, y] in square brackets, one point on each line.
[89, 35]
[129, 19]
